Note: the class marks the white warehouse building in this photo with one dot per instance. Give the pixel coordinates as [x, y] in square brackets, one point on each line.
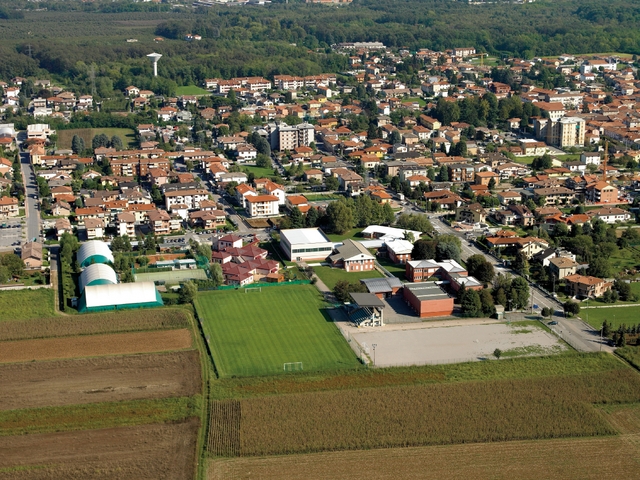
[303, 244]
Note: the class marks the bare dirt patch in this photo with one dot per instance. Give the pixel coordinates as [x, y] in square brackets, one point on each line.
[102, 379]
[141, 452]
[507, 460]
[94, 345]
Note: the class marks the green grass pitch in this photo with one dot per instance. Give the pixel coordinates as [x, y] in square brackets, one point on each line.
[256, 333]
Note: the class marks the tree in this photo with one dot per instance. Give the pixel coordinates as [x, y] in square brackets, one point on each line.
[497, 353]
[571, 307]
[470, 303]
[331, 183]
[444, 174]
[479, 267]
[150, 244]
[624, 290]
[297, 219]
[340, 217]
[423, 250]
[542, 163]
[420, 223]
[599, 267]
[121, 244]
[343, 288]
[492, 184]
[312, 217]
[77, 144]
[116, 142]
[188, 292]
[486, 299]
[100, 140]
[14, 264]
[519, 293]
[546, 312]
[520, 264]
[263, 161]
[606, 329]
[448, 248]
[395, 137]
[215, 272]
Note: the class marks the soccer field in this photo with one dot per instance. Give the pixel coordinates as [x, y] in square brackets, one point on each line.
[256, 333]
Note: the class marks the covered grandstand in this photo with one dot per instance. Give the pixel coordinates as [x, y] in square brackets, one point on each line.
[119, 296]
[367, 310]
[94, 251]
[97, 274]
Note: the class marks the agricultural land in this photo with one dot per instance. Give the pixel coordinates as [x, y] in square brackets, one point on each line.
[65, 137]
[257, 333]
[111, 395]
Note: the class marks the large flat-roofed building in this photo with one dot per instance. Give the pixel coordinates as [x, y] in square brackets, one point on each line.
[305, 244]
[119, 296]
[428, 299]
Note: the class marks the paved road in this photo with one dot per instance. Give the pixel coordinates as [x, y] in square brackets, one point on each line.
[31, 198]
[575, 331]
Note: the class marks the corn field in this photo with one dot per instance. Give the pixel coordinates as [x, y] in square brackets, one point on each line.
[111, 322]
[224, 429]
[489, 411]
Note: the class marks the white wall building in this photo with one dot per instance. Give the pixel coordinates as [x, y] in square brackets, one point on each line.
[305, 244]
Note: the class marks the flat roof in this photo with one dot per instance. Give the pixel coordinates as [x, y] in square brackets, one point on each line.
[381, 285]
[426, 291]
[367, 300]
[298, 236]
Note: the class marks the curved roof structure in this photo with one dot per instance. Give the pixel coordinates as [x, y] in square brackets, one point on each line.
[121, 295]
[95, 251]
[97, 274]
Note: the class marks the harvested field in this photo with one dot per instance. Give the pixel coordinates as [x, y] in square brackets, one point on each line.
[573, 458]
[626, 418]
[141, 452]
[498, 410]
[258, 222]
[102, 379]
[94, 345]
[111, 322]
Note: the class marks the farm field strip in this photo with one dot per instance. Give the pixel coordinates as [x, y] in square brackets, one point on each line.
[138, 452]
[94, 345]
[94, 323]
[96, 415]
[525, 460]
[100, 379]
[12, 304]
[497, 410]
[255, 334]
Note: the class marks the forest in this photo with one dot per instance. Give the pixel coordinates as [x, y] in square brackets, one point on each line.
[77, 40]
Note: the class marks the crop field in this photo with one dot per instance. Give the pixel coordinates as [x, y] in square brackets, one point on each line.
[94, 345]
[12, 304]
[568, 458]
[412, 416]
[65, 137]
[136, 452]
[257, 333]
[95, 323]
[331, 276]
[102, 379]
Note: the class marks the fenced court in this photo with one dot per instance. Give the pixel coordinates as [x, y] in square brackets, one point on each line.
[271, 331]
[172, 277]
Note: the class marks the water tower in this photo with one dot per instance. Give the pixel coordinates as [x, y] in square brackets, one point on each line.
[154, 57]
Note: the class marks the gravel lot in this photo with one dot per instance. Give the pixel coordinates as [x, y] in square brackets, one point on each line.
[452, 344]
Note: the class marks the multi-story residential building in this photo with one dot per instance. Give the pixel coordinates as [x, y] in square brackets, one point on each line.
[9, 207]
[564, 132]
[191, 198]
[289, 137]
[262, 205]
[583, 286]
[553, 195]
[602, 192]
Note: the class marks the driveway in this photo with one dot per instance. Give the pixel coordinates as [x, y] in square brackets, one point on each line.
[31, 201]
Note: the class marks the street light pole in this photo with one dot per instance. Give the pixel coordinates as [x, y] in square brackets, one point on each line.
[374, 345]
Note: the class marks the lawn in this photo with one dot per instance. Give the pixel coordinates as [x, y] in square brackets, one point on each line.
[624, 259]
[257, 333]
[26, 304]
[259, 172]
[396, 270]
[191, 90]
[65, 137]
[331, 276]
[616, 316]
[420, 101]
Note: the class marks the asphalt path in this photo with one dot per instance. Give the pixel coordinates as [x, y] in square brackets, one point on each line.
[32, 211]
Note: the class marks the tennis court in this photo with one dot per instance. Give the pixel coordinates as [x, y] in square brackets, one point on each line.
[173, 277]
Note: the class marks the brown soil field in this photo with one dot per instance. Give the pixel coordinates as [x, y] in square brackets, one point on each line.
[625, 418]
[101, 379]
[524, 460]
[141, 452]
[94, 345]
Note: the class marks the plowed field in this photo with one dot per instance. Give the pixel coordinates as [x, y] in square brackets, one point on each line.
[142, 452]
[95, 345]
[103, 379]
[534, 460]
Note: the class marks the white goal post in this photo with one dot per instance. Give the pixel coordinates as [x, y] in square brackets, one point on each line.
[253, 289]
[293, 367]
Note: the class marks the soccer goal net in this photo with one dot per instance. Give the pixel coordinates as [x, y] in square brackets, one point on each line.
[293, 367]
[253, 290]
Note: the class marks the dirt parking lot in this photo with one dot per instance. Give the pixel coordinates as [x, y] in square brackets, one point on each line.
[94, 345]
[102, 379]
[423, 344]
[141, 452]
